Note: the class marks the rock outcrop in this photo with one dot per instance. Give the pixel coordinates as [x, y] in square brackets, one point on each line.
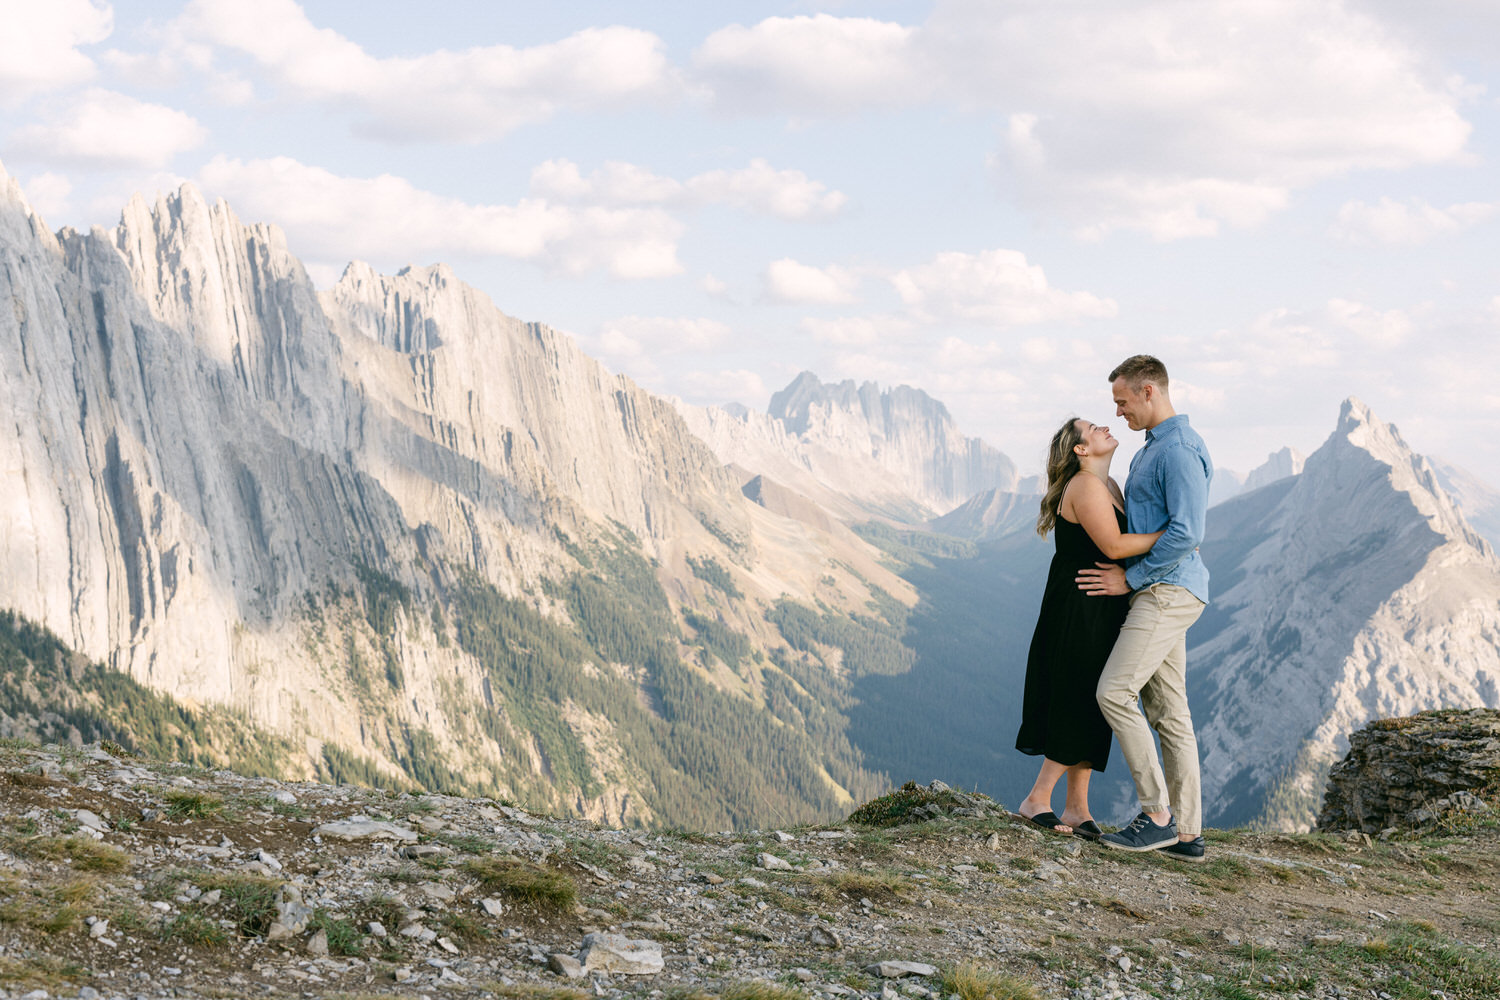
[1415, 772]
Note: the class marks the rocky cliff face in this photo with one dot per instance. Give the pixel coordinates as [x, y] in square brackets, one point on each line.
[248, 494]
[859, 449]
[1352, 591]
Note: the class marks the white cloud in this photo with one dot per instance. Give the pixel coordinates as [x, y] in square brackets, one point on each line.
[47, 194]
[631, 336]
[759, 188]
[785, 194]
[996, 287]
[614, 183]
[1377, 328]
[811, 65]
[635, 344]
[39, 45]
[859, 331]
[789, 281]
[336, 218]
[1411, 223]
[721, 386]
[713, 286]
[102, 128]
[1174, 117]
[475, 94]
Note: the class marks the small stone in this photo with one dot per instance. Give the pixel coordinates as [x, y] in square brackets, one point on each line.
[285, 797]
[803, 975]
[782, 837]
[993, 842]
[90, 820]
[1124, 963]
[210, 898]
[98, 928]
[401, 975]
[416, 852]
[447, 945]
[565, 965]
[492, 907]
[264, 857]
[825, 937]
[895, 970]
[614, 953]
[364, 828]
[318, 943]
[771, 862]
[376, 929]
[436, 890]
[713, 879]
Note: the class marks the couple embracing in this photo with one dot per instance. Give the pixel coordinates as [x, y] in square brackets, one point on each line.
[1109, 635]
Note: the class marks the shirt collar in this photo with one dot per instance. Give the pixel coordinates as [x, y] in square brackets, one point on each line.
[1167, 426]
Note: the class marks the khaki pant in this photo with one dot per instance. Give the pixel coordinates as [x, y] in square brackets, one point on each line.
[1149, 661]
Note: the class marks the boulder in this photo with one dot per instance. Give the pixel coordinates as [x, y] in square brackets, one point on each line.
[1415, 772]
[618, 954]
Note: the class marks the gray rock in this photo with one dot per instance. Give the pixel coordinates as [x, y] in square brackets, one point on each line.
[771, 862]
[825, 937]
[615, 953]
[1412, 772]
[492, 907]
[415, 852]
[291, 912]
[90, 820]
[363, 828]
[565, 965]
[895, 970]
[318, 943]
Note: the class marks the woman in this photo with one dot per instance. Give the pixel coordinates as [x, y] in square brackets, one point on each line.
[1060, 719]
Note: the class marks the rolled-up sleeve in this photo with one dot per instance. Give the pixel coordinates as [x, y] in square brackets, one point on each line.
[1183, 479]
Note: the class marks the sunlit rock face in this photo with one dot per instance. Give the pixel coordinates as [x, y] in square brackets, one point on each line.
[206, 452]
[1353, 590]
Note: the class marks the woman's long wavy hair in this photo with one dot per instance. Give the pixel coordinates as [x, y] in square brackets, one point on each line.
[1062, 466]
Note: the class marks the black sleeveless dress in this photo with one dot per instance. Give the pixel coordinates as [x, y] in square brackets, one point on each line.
[1060, 718]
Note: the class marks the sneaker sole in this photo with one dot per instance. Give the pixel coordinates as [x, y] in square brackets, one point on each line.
[1196, 859]
[1134, 849]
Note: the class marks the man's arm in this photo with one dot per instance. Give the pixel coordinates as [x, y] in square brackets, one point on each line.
[1184, 481]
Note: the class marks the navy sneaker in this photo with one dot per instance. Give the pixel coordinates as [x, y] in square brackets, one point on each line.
[1186, 850]
[1142, 835]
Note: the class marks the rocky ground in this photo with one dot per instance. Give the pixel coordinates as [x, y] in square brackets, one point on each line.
[121, 877]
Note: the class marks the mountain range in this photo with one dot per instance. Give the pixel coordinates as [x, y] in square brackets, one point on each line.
[385, 533]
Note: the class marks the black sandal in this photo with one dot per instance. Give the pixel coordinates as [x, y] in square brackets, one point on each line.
[1088, 830]
[1046, 821]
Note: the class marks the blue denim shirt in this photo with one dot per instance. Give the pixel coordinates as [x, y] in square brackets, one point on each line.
[1167, 490]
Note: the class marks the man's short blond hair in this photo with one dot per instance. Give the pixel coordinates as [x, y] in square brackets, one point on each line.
[1138, 369]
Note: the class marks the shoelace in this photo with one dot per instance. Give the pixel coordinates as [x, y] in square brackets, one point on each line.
[1139, 823]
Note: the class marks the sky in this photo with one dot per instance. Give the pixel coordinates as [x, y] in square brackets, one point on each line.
[1288, 201]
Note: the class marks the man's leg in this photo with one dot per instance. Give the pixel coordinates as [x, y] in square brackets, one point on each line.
[1152, 640]
[1164, 699]
[1146, 640]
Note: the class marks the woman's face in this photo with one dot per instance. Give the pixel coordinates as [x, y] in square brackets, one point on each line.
[1097, 440]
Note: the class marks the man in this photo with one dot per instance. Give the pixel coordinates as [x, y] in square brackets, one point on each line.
[1167, 491]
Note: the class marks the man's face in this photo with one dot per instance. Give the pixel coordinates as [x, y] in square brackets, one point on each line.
[1133, 405]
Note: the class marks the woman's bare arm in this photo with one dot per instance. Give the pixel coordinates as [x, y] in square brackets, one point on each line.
[1088, 501]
